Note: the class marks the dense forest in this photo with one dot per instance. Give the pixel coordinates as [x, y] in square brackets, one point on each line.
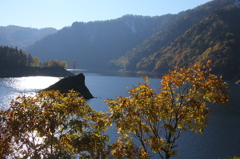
[14, 58]
[215, 38]
[21, 37]
[10, 57]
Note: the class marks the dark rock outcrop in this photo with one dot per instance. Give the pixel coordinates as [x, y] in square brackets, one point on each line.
[76, 83]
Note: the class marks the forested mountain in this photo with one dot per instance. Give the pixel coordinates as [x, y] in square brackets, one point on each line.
[215, 38]
[153, 44]
[94, 44]
[15, 36]
[143, 56]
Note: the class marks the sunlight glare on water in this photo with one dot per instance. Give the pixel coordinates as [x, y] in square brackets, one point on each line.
[12, 87]
[30, 83]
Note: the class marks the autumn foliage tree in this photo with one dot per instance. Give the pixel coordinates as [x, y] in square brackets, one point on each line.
[158, 119]
[55, 63]
[50, 125]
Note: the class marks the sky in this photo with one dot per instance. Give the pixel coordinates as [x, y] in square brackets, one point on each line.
[62, 13]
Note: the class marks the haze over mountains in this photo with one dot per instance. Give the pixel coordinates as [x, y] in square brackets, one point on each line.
[21, 37]
[94, 44]
[152, 44]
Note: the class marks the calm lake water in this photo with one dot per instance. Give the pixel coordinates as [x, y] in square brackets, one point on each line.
[220, 139]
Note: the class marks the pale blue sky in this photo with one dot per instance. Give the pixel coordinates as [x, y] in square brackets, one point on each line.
[61, 13]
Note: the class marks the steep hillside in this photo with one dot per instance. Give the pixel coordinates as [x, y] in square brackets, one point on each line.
[215, 38]
[15, 36]
[144, 56]
[94, 44]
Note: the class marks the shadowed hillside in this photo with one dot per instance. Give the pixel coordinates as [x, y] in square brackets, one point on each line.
[94, 44]
[16, 36]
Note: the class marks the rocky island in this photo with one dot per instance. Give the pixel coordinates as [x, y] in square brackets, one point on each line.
[76, 83]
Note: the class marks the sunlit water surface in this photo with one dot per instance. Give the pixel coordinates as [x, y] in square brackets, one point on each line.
[12, 87]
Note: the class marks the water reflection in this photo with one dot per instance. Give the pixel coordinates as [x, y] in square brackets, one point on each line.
[29, 83]
[11, 87]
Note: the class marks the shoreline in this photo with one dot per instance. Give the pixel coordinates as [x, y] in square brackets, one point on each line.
[34, 71]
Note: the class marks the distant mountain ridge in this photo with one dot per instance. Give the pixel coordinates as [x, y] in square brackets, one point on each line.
[21, 37]
[94, 44]
[152, 44]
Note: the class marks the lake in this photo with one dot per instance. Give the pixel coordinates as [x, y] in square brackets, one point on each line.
[220, 139]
